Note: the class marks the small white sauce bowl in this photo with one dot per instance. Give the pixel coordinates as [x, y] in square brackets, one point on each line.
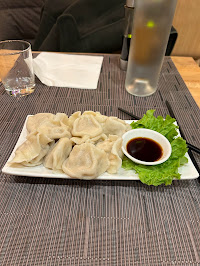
[150, 134]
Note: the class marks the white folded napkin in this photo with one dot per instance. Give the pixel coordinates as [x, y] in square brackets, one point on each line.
[63, 70]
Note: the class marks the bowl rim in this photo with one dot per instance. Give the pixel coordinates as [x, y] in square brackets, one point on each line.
[154, 133]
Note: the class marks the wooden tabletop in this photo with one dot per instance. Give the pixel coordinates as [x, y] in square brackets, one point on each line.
[190, 73]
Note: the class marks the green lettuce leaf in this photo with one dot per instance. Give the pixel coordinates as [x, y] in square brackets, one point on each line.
[164, 126]
[163, 173]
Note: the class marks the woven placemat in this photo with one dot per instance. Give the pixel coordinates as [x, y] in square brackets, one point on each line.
[72, 222]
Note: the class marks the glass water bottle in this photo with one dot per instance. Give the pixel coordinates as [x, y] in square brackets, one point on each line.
[152, 24]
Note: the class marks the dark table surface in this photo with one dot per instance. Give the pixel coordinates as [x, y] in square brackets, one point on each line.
[73, 222]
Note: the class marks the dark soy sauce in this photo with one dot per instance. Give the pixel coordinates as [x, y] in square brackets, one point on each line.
[144, 149]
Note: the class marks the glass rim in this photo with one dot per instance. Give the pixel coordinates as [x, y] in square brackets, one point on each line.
[15, 41]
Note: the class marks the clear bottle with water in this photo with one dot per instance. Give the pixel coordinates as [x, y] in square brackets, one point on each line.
[151, 30]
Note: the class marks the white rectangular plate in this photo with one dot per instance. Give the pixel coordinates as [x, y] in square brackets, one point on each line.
[188, 171]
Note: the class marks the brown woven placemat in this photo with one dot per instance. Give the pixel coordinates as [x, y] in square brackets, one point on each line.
[72, 222]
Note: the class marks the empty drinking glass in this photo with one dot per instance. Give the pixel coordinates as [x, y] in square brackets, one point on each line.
[16, 70]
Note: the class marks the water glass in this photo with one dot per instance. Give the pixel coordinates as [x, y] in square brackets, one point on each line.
[151, 30]
[16, 69]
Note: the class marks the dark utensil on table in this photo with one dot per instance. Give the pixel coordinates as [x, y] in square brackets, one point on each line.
[130, 114]
[190, 146]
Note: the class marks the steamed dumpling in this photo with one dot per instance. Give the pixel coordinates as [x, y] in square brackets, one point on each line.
[72, 118]
[52, 126]
[31, 152]
[112, 146]
[110, 125]
[85, 128]
[98, 116]
[38, 159]
[62, 119]
[58, 154]
[115, 126]
[53, 130]
[86, 161]
[35, 121]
